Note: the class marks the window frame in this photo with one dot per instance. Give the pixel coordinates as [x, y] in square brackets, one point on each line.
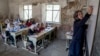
[59, 11]
[28, 11]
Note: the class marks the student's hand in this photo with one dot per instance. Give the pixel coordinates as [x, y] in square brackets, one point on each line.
[90, 10]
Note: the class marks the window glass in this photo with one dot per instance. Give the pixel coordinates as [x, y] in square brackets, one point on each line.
[56, 16]
[49, 7]
[27, 12]
[53, 13]
[30, 6]
[56, 7]
[26, 7]
[49, 16]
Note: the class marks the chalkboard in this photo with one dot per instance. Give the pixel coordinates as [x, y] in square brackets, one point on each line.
[92, 24]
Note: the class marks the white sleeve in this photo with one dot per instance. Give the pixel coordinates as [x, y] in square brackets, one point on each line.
[8, 27]
[32, 26]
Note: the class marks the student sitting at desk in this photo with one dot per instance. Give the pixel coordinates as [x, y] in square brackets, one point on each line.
[9, 36]
[6, 22]
[22, 25]
[16, 27]
[15, 22]
[39, 27]
[18, 19]
[42, 27]
[28, 23]
[31, 30]
[33, 21]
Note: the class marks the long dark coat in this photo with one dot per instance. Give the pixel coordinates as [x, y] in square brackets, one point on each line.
[75, 48]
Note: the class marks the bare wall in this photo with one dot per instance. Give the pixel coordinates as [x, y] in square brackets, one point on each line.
[4, 7]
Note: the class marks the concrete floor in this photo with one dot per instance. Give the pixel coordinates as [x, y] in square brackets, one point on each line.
[6, 50]
[56, 48]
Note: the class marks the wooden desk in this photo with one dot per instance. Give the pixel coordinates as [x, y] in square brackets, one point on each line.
[40, 36]
[20, 32]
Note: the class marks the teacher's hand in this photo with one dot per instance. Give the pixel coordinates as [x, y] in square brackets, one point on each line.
[90, 10]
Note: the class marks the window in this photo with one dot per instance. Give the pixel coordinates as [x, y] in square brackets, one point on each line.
[27, 12]
[53, 13]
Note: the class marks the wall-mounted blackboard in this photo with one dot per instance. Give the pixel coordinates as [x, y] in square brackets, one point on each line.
[92, 24]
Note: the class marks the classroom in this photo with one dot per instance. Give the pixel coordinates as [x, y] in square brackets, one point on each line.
[49, 28]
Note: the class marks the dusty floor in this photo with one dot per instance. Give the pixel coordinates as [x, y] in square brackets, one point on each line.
[56, 48]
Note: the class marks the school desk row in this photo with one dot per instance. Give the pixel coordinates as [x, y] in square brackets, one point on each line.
[49, 33]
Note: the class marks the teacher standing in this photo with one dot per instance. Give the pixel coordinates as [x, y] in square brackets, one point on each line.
[75, 48]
